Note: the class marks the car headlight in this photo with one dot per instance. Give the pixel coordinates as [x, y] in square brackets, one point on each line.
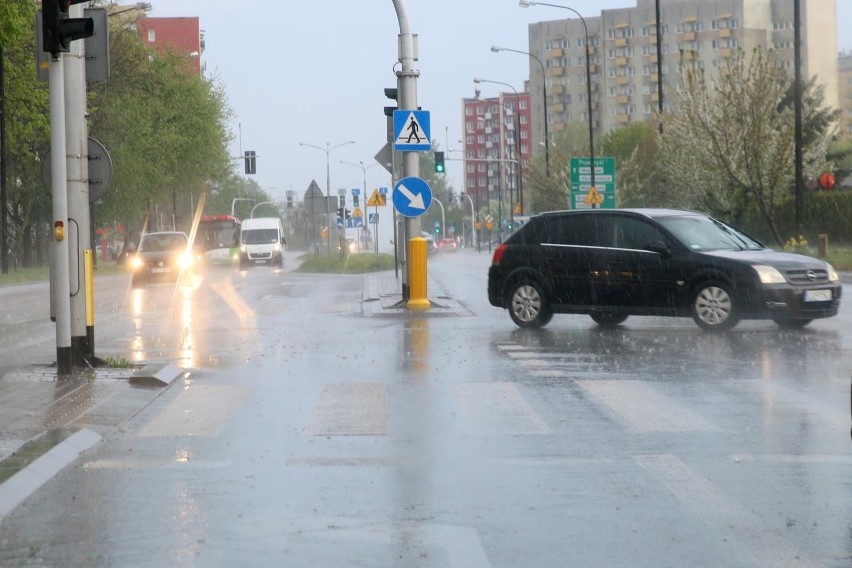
[243, 248]
[768, 274]
[185, 261]
[833, 276]
[136, 263]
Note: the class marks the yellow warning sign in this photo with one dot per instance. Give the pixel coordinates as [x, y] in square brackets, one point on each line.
[357, 212]
[377, 199]
[518, 209]
[593, 197]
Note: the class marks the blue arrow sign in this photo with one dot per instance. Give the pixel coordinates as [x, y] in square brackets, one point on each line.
[412, 197]
[411, 131]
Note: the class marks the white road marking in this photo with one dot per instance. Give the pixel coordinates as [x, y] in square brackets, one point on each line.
[497, 407]
[747, 530]
[646, 408]
[351, 410]
[200, 410]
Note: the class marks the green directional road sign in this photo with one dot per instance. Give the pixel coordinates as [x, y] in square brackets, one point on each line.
[581, 181]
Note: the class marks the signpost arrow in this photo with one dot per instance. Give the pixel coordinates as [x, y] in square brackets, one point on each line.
[415, 201]
[412, 196]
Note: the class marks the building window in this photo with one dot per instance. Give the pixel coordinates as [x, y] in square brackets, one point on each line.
[152, 36]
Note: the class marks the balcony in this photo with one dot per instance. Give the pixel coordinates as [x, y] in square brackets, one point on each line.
[655, 78]
[557, 71]
[592, 50]
[593, 68]
[622, 81]
[655, 97]
[687, 36]
[557, 89]
[725, 52]
[558, 52]
[621, 42]
[557, 108]
[557, 126]
[725, 33]
[621, 61]
[622, 99]
[622, 118]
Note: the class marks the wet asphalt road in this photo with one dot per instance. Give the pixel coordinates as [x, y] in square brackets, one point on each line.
[309, 435]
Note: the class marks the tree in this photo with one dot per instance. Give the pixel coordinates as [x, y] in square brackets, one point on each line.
[730, 143]
[165, 128]
[27, 134]
[639, 182]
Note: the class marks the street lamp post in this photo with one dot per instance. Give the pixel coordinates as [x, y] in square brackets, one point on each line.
[527, 4]
[472, 218]
[496, 49]
[364, 169]
[327, 149]
[518, 156]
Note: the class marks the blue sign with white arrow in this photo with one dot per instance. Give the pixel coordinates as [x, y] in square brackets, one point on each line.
[412, 197]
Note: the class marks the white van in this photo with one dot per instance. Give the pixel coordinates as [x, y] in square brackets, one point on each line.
[262, 242]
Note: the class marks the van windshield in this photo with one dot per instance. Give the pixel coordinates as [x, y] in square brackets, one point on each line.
[259, 236]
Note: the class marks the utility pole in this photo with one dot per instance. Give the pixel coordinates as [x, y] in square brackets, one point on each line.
[407, 88]
[79, 227]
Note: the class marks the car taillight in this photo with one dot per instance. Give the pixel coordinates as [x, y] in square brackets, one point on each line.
[498, 254]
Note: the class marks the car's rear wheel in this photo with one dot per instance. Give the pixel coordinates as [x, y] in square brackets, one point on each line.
[714, 306]
[608, 318]
[792, 323]
[528, 305]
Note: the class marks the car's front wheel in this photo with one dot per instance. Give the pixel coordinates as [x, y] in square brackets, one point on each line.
[714, 306]
[528, 305]
[608, 318]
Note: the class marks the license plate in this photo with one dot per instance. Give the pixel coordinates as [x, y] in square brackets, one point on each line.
[260, 261]
[160, 270]
[817, 295]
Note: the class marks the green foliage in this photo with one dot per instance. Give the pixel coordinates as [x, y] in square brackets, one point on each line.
[729, 147]
[165, 128]
[639, 182]
[346, 264]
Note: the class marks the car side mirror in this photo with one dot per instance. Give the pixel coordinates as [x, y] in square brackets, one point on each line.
[659, 247]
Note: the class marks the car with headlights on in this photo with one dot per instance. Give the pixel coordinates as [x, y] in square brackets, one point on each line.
[614, 263]
[160, 256]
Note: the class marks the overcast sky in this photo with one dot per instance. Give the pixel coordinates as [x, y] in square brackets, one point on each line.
[314, 72]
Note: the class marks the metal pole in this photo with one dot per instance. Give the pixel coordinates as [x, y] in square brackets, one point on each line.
[4, 213]
[496, 49]
[659, 65]
[407, 89]
[59, 243]
[526, 3]
[797, 65]
[78, 234]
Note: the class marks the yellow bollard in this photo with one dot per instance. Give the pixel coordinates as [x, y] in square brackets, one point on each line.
[89, 279]
[417, 274]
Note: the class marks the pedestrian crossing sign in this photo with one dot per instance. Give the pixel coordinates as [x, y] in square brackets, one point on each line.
[411, 131]
[377, 199]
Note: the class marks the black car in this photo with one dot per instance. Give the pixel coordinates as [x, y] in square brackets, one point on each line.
[160, 256]
[613, 263]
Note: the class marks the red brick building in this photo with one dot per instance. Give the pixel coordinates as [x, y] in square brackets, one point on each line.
[178, 35]
[493, 129]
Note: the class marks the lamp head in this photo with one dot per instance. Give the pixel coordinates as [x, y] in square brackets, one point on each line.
[496, 49]
[525, 3]
[477, 80]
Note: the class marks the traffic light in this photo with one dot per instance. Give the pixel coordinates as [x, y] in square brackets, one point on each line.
[251, 162]
[348, 214]
[391, 93]
[59, 30]
[341, 200]
[439, 162]
[355, 201]
[340, 213]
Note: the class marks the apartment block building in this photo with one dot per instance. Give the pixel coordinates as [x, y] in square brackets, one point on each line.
[844, 70]
[623, 60]
[497, 141]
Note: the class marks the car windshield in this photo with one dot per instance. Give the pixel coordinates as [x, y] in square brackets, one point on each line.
[259, 236]
[705, 233]
[155, 243]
